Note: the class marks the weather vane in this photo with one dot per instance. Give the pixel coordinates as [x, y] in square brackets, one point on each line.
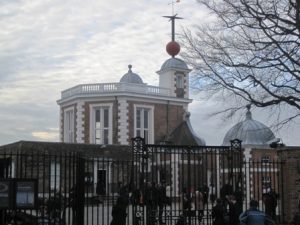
[173, 48]
[173, 3]
[173, 18]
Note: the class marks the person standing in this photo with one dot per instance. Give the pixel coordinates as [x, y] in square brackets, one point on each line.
[151, 201]
[162, 198]
[199, 205]
[119, 210]
[218, 212]
[212, 194]
[119, 213]
[254, 216]
[234, 210]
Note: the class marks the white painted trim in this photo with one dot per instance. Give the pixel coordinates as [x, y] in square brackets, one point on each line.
[66, 110]
[92, 121]
[151, 120]
[80, 122]
[61, 128]
[111, 96]
[123, 122]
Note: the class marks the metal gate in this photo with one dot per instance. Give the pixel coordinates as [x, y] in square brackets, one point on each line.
[44, 188]
[152, 184]
[183, 182]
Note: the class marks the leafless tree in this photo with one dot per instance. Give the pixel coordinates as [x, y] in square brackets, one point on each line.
[250, 51]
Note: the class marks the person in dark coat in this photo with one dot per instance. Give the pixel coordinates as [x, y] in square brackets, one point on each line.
[273, 196]
[254, 216]
[270, 201]
[162, 198]
[205, 192]
[151, 201]
[234, 210]
[119, 213]
[225, 192]
[218, 212]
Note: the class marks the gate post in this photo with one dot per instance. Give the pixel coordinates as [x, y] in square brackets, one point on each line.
[4, 164]
[189, 191]
[140, 159]
[80, 199]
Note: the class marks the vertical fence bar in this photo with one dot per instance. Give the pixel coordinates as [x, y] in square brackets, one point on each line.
[80, 198]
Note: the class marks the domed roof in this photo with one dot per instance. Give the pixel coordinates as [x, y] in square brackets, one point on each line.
[174, 63]
[184, 134]
[250, 131]
[131, 77]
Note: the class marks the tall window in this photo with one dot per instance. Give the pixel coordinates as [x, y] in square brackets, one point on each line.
[143, 123]
[179, 81]
[69, 126]
[54, 176]
[101, 125]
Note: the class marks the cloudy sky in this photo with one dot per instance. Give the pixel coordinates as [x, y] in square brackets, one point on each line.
[47, 46]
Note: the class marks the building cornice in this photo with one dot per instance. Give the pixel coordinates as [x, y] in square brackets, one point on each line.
[127, 95]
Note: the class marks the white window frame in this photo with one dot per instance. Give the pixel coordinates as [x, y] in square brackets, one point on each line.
[265, 159]
[150, 122]
[93, 107]
[266, 179]
[266, 183]
[54, 176]
[69, 125]
[179, 80]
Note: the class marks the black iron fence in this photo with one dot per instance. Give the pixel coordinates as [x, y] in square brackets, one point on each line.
[156, 184]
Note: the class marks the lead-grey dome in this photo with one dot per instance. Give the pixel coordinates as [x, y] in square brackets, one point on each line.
[174, 63]
[131, 77]
[184, 134]
[249, 131]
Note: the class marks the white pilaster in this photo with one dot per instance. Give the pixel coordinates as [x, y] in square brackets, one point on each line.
[61, 129]
[187, 85]
[79, 122]
[123, 122]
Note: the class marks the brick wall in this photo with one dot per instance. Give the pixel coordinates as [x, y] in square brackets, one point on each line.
[291, 180]
[166, 118]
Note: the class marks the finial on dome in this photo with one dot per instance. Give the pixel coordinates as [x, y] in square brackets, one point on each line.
[129, 68]
[248, 113]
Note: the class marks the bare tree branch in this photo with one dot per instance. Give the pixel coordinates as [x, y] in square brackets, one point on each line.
[252, 51]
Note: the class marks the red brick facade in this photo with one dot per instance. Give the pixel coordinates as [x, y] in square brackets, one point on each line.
[291, 180]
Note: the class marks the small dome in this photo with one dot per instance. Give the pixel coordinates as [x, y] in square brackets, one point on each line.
[174, 63]
[131, 77]
[249, 131]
